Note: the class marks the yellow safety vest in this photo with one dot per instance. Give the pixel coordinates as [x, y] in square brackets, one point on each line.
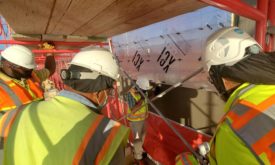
[60, 131]
[186, 159]
[246, 135]
[142, 113]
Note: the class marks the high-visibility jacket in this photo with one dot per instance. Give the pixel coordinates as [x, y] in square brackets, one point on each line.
[142, 113]
[246, 134]
[63, 130]
[14, 93]
[186, 159]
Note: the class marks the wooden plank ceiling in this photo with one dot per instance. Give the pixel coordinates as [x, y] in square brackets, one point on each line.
[89, 17]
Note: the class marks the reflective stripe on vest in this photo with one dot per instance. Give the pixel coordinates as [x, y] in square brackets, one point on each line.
[35, 88]
[186, 159]
[238, 94]
[12, 94]
[108, 143]
[140, 114]
[255, 125]
[97, 141]
[232, 100]
[183, 161]
[6, 123]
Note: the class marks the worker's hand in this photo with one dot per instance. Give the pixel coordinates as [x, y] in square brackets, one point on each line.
[47, 46]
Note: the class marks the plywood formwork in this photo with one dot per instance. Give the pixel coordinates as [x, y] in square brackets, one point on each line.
[89, 17]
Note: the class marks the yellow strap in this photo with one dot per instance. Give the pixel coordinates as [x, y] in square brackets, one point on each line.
[7, 108]
[5, 77]
[25, 85]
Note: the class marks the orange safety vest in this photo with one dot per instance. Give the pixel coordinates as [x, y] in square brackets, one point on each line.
[12, 94]
[255, 126]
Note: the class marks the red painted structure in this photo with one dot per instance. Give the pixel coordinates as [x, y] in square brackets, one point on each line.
[271, 19]
[262, 14]
[161, 143]
[55, 43]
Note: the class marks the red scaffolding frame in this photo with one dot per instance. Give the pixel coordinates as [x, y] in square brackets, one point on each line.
[54, 42]
[263, 14]
[7, 41]
[57, 43]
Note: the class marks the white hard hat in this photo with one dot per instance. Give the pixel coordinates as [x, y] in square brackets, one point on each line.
[227, 46]
[19, 55]
[99, 60]
[143, 83]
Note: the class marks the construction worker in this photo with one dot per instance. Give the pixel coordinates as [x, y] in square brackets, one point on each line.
[137, 113]
[19, 82]
[245, 77]
[67, 128]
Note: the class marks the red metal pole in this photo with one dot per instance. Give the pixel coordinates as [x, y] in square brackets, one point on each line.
[55, 42]
[53, 51]
[238, 7]
[57, 57]
[243, 9]
[271, 17]
[261, 25]
[117, 102]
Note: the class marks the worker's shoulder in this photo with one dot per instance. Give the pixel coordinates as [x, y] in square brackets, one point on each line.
[259, 93]
[112, 123]
[4, 77]
[41, 105]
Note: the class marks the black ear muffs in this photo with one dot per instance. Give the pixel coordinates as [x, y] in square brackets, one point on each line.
[69, 75]
[85, 80]
[215, 78]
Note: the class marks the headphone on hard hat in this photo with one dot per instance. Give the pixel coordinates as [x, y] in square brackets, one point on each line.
[66, 74]
[99, 60]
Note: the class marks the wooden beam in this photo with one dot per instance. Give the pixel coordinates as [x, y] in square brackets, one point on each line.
[55, 37]
[120, 12]
[166, 12]
[27, 17]
[67, 17]
[89, 17]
